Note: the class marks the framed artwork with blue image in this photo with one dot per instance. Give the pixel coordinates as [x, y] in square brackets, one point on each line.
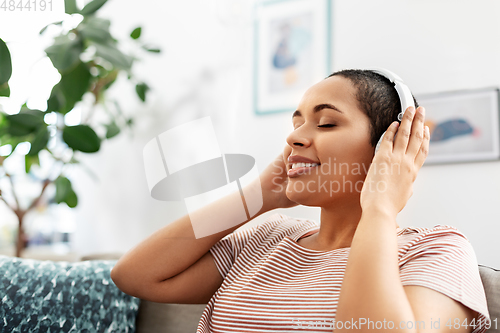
[464, 125]
[292, 43]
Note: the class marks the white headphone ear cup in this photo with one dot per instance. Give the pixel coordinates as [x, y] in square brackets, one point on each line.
[377, 147]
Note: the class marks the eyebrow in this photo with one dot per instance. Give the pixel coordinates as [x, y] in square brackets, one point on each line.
[317, 109]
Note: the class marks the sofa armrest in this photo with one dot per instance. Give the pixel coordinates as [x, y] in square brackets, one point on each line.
[168, 318]
[491, 283]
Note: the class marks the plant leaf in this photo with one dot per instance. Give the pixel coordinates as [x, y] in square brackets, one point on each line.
[71, 199]
[5, 63]
[45, 28]
[63, 187]
[25, 122]
[39, 141]
[3, 120]
[113, 55]
[95, 29]
[92, 7]
[70, 7]
[110, 79]
[65, 192]
[13, 144]
[153, 49]
[64, 53]
[73, 86]
[136, 33]
[111, 130]
[141, 90]
[29, 161]
[56, 100]
[82, 138]
[5, 90]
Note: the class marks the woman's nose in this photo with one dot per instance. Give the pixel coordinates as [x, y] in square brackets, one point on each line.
[299, 138]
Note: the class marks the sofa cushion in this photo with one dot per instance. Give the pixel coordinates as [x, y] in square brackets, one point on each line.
[491, 282]
[63, 296]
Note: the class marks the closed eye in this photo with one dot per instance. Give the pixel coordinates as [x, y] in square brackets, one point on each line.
[327, 125]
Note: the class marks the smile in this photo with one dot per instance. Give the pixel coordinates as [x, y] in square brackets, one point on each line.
[298, 169]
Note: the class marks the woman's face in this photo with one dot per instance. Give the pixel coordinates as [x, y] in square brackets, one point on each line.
[329, 129]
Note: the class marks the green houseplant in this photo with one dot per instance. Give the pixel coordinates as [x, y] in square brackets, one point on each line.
[89, 60]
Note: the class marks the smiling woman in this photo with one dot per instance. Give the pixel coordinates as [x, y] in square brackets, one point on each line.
[356, 271]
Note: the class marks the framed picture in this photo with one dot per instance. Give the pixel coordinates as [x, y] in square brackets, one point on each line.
[464, 125]
[292, 51]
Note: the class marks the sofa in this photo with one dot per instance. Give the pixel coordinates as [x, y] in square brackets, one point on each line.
[60, 296]
[48, 296]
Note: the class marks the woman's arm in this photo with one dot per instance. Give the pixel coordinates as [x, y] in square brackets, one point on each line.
[174, 248]
[372, 293]
[372, 288]
[172, 259]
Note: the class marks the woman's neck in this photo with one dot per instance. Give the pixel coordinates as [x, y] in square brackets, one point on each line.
[338, 225]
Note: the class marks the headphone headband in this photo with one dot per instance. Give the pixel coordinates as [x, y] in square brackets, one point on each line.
[405, 96]
[404, 93]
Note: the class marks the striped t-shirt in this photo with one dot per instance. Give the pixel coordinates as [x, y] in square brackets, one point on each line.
[273, 284]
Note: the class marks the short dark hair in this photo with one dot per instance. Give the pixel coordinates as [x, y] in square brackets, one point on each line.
[377, 98]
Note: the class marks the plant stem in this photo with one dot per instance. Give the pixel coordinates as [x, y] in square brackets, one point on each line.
[46, 183]
[97, 89]
[20, 213]
[3, 199]
[20, 244]
[13, 191]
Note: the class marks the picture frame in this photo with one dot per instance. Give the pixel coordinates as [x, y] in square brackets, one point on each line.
[292, 51]
[464, 125]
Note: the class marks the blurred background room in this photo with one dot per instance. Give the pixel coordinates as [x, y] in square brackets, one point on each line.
[209, 66]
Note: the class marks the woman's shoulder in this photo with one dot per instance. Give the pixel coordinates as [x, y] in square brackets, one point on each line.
[437, 230]
[444, 236]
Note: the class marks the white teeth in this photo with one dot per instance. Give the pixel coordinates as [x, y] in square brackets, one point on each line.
[300, 165]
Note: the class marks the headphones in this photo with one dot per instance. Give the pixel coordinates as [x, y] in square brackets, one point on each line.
[405, 96]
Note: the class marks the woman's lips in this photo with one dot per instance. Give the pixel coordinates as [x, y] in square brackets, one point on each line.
[292, 173]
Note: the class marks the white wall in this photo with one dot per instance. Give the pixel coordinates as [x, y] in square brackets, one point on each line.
[205, 69]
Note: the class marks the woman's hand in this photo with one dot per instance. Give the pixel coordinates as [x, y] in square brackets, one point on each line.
[274, 180]
[389, 181]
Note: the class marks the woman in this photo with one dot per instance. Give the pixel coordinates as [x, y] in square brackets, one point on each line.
[358, 271]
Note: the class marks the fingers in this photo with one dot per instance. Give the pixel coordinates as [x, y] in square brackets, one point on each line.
[388, 137]
[417, 133]
[424, 148]
[413, 137]
[403, 136]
